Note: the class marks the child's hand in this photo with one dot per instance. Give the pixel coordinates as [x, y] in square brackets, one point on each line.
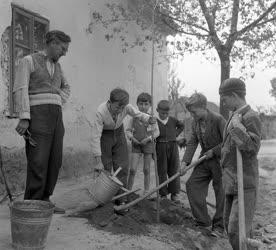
[135, 141]
[152, 120]
[145, 141]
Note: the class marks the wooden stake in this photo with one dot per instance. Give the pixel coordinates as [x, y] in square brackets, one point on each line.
[153, 143]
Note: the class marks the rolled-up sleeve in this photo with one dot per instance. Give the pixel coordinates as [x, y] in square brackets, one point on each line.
[129, 129]
[133, 112]
[64, 83]
[97, 129]
[21, 88]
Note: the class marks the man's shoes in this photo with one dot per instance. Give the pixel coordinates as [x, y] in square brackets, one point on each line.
[175, 197]
[218, 233]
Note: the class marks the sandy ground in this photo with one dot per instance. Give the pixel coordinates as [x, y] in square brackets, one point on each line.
[78, 234]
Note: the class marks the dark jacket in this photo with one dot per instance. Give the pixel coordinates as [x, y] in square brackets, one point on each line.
[170, 131]
[213, 136]
[248, 138]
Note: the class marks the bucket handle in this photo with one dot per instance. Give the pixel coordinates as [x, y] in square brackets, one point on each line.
[117, 171]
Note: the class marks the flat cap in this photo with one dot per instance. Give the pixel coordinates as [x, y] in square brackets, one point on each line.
[231, 85]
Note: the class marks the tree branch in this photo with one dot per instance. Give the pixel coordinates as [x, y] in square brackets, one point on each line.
[235, 15]
[211, 23]
[254, 23]
[184, 22]
[184, 32]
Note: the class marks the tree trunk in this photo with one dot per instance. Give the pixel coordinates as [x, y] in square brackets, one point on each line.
[224, 74]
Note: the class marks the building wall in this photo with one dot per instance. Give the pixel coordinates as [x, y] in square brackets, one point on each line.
[93, 66]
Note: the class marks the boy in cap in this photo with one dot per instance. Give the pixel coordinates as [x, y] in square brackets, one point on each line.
[242, 131]
[141, 135]
[109, 146]
[167, 150]
[207, 130]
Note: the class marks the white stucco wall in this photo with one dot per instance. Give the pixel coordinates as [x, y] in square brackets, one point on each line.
[93, 66]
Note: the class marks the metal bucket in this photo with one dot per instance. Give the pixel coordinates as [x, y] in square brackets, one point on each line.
[30, 222]
[104, 188]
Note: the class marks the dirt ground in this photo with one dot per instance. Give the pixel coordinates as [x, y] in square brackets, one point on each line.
[102, 229]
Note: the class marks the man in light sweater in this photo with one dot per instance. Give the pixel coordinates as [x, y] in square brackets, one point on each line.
[39, 90]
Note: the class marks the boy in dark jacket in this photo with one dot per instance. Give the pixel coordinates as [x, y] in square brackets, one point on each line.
[167, 150]
[242, 131]
[207, 130]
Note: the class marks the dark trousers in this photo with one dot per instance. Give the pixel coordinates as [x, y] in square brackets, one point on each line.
[168, 165]
[45, 159]
[231, 216]
[115, 152]
[197, 191]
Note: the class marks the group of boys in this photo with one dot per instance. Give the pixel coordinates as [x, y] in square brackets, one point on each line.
[40, 88]
[218, 140]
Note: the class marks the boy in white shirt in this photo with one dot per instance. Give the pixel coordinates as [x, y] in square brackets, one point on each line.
[109, 145]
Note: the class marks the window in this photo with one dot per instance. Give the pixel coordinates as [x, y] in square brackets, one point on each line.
[28, 31]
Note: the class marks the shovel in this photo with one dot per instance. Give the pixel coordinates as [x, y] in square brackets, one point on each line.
[126, 206]
[243, 241]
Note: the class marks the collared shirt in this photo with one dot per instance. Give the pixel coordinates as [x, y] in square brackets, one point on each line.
[164, 121]
[105, 121]
[21, 84]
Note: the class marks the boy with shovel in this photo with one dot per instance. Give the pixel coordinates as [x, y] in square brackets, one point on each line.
[109, 146]
[242, 131]
[207, 130]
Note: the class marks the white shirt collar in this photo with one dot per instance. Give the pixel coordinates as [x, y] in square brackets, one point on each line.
[164, 121]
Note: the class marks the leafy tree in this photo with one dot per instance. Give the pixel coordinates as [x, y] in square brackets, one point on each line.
[240, 31]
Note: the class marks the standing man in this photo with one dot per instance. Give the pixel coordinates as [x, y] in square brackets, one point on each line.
[39, 90]
[207, 129]
[243, 131]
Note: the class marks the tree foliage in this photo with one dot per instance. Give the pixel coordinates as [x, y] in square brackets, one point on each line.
[240, 31]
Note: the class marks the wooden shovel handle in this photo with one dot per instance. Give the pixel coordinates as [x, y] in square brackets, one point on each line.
[242, 230]
[125, 194]
[126, 206]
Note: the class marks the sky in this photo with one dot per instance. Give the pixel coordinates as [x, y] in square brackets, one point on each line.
[203, 76]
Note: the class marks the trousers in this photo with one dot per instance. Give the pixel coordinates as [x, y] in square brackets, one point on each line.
[45, 159]
[197, 191]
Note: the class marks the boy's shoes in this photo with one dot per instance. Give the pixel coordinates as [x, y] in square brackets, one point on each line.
[175, 197]
[121, 212]
[163, 197]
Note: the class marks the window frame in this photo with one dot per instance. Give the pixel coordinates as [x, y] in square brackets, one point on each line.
[34, 17]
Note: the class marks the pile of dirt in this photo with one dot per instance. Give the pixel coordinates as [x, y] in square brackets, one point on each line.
[138, 217]
[175, 227]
